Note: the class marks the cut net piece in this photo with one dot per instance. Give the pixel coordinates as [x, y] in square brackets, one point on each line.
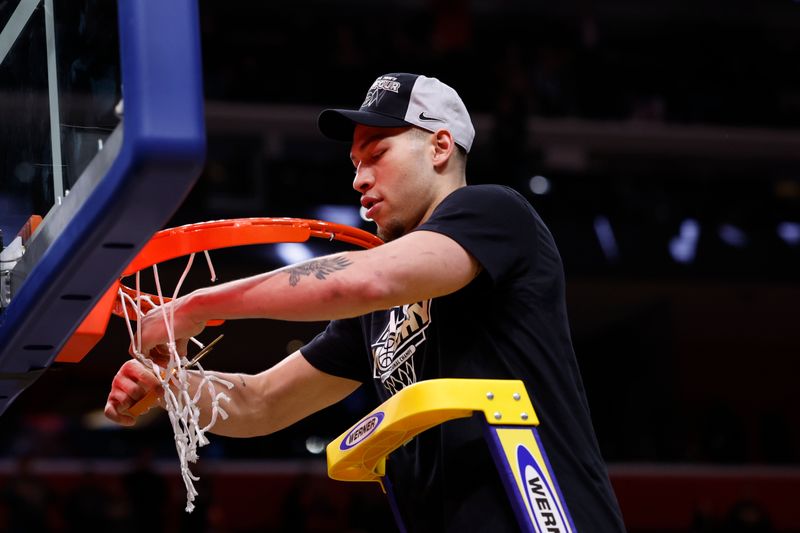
[178, 400]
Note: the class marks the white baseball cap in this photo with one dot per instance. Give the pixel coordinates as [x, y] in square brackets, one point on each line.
[399, 100]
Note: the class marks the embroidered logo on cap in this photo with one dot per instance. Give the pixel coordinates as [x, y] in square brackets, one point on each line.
[429, 119]
[379, 88]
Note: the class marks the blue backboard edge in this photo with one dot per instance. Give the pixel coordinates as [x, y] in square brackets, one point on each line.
[162, 154]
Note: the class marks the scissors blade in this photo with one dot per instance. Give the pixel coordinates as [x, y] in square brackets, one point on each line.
[204, 351]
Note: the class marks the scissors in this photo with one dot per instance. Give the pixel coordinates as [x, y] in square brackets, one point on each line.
[150, 398]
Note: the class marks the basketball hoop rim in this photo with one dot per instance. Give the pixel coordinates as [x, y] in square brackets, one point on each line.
[181, 241]
[185, 240]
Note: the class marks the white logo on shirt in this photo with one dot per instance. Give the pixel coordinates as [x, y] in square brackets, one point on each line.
[393, 351]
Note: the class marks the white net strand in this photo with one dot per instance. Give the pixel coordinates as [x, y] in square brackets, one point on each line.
[217, 410]
[138, 307]
[210, 266]
[184, 414]
[137, 347]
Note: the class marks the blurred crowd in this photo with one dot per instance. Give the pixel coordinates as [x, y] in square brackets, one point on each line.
[675, 62]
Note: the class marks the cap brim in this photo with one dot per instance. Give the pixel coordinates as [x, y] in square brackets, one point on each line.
[339, 124]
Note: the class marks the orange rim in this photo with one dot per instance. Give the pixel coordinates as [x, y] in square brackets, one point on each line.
[192, 238]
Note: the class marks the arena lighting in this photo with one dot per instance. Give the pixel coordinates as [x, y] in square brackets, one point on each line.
[789, 232]
[733, 236]
[539, 185]
[315, 445]
[340, 214]
[605, 236]
[682, 248]
[293, 252]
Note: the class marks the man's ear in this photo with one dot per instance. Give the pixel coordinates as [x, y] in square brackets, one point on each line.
[442, 148]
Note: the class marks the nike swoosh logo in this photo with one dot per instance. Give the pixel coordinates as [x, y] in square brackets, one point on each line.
[429, 119]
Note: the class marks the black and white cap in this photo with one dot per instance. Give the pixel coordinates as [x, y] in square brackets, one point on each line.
[399, 100]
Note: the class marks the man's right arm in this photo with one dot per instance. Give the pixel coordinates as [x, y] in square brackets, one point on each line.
[260, 404]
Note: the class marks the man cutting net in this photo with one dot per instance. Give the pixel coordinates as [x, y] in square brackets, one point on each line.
[469, 284]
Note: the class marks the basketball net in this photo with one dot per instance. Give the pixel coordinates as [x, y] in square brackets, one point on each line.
[178, 399]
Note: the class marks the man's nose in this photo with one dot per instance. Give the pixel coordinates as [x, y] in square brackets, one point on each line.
[363, 180]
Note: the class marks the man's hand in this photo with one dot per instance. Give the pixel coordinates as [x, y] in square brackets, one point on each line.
[155, 335]
[132, 383]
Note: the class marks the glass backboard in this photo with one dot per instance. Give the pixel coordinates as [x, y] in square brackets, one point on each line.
[60, 83]
[101, 136]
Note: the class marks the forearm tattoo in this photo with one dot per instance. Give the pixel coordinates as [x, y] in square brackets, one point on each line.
[320, 268]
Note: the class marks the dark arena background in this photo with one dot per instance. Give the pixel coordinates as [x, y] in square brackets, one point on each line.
[659, 140]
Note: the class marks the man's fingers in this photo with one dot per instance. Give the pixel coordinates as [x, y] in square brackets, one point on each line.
[117, 406]
[158, 358]
[162, 349]
[112, 413]
[132, 383]
[182, 346]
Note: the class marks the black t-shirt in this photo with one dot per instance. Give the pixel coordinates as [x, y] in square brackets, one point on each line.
[508, 323]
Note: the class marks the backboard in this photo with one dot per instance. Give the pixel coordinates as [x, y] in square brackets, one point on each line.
[102, 135]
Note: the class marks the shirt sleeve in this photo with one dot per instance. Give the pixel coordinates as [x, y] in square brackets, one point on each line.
[339, 350]
[493, 223]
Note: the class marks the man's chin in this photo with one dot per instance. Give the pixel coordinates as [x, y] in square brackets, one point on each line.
[391, 231]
